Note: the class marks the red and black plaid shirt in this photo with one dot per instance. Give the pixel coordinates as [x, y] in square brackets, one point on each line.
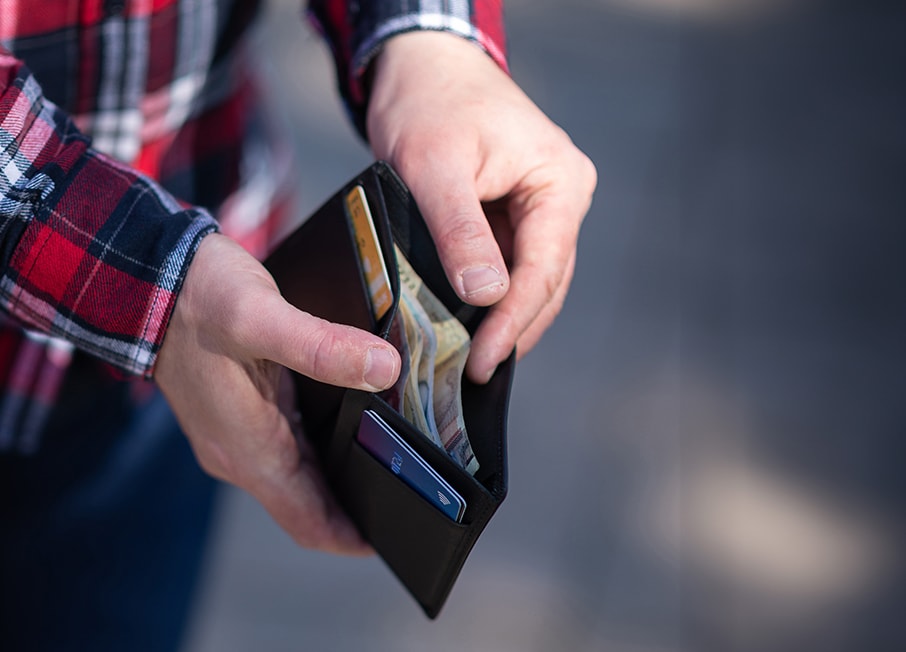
[124, 126]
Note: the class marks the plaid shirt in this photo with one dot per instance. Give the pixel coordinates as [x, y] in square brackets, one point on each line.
[124, 126]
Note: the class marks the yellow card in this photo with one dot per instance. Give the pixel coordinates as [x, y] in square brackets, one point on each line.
[376, 277]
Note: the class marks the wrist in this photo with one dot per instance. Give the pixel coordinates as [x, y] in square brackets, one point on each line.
[428, 47]
[425, 67]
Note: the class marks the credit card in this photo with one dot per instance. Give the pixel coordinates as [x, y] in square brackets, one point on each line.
[376, 277]
[388, 448]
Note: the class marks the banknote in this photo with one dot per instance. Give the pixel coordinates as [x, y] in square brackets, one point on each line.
[413, 409]
[453, 345]
[449, 365]
[426, 365]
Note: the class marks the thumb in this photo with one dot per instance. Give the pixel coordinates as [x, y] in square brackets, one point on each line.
[245, 317]
[330, 353]
[448, 200]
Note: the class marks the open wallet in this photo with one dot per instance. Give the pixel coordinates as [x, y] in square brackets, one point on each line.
[420, 498]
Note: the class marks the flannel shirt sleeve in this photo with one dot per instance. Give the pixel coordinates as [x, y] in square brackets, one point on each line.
[90, 250]
[355, 32]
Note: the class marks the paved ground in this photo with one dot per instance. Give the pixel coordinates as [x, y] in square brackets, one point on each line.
[706, 450]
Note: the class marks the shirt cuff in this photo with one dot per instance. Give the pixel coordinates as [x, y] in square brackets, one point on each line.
[90, 250]
[357, 31]
[371, 46]
[109, 287]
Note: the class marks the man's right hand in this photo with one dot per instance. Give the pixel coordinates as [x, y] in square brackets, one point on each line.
[220, 370]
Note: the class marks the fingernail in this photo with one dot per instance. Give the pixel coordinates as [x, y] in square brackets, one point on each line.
[477, 280]
[380, 367]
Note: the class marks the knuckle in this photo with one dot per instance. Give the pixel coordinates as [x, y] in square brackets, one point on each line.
[333, 356]
[461, 230]
[551, 284]
[415, 150]
[406, 157]
[556, 305]
[313, 533]
[501, 329]
[323, 354]
[547, 278]
[588, 173]
[242, 324]
[215, 461]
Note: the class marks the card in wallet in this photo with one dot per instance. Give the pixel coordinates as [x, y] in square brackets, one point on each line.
[319, 269]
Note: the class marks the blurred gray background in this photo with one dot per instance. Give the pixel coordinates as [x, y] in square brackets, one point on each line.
[706, 450]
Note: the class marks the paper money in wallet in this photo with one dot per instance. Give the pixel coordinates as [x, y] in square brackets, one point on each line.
[424, 372]
[397, 337]
[415, 338]
[453, 345]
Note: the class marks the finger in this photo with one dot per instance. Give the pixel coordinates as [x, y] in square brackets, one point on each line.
[343, 536]
[304, 507]
[531, 335]
[468, 251]
[292, 488]
[330, 353]
[544, 252]
[333, 530]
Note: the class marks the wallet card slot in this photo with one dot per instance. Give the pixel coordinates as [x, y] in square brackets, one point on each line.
[376, 202]
[395, 494]
[378, 210]
[421, 545]
[480, 502]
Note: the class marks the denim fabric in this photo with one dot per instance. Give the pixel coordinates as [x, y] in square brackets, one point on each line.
[102, 531]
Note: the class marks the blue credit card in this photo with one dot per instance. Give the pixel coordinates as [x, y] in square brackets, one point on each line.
[387, 447]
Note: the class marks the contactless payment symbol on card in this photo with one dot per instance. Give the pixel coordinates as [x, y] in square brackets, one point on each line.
[376, 277]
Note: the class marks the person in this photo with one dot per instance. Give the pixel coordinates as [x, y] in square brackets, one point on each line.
[124, 126]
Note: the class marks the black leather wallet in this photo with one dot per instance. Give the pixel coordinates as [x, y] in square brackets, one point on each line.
[318, 270]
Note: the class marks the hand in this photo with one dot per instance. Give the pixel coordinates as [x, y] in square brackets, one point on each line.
[502, 188]
[220, 369]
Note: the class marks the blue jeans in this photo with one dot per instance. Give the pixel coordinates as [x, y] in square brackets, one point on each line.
[102, 531]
